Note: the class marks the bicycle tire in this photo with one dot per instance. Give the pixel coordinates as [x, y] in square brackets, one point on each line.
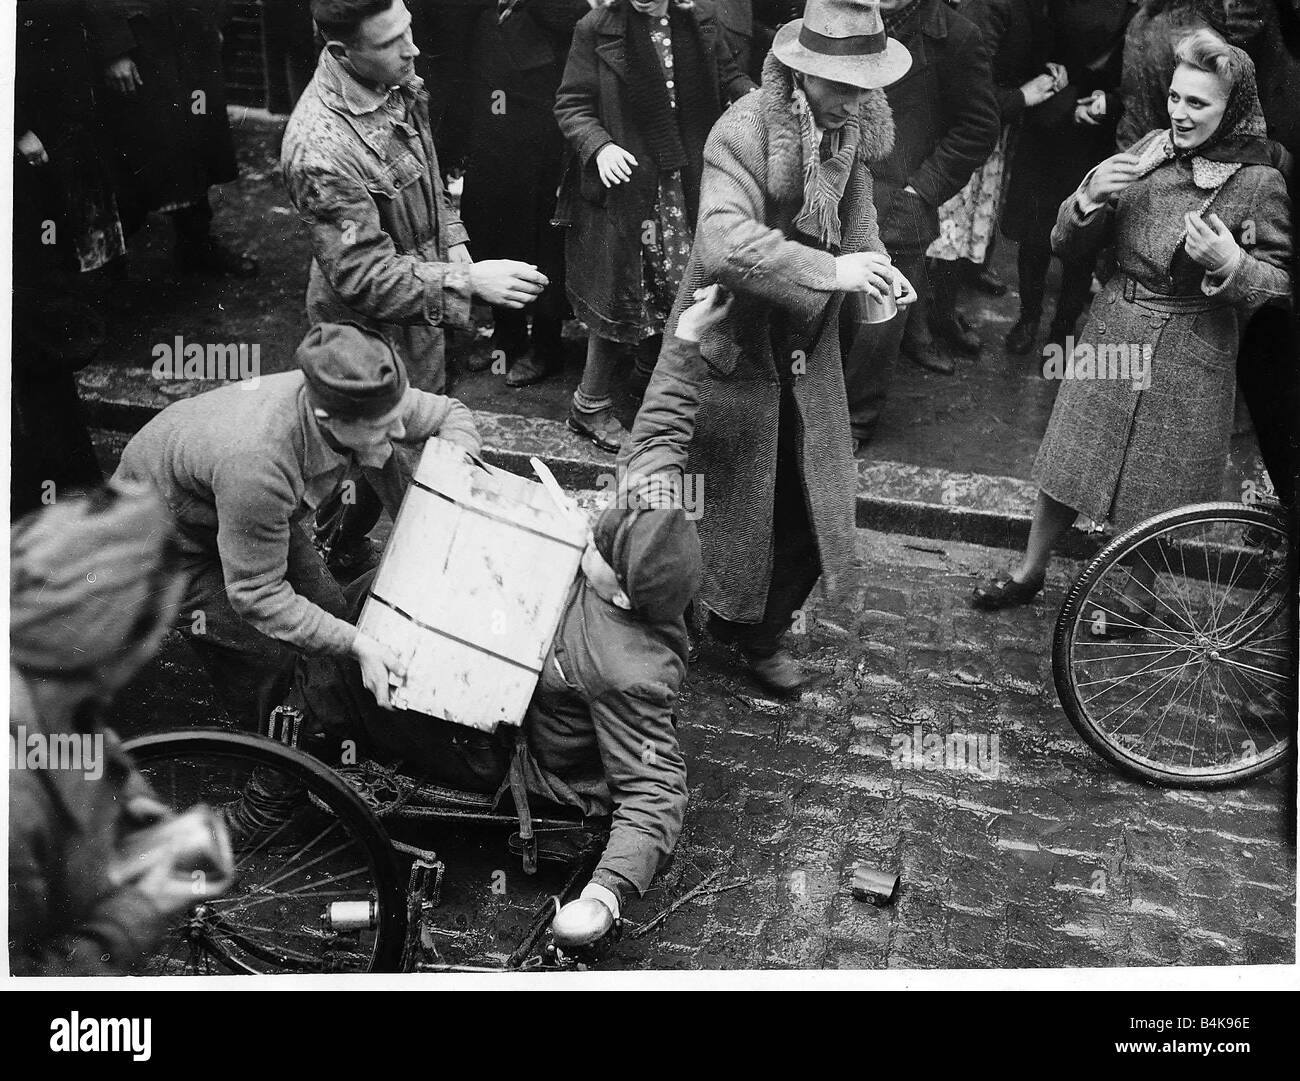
[323, 786]
[1069, 620]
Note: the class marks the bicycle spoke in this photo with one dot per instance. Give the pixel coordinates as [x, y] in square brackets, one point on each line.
[1262, 719]
[1150, 692]
[1187, 613]
[310, 889]
[1119, 680]
[288, 868]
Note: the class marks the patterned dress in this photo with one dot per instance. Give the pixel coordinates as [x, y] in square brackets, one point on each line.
[664, 255]
[968, 220]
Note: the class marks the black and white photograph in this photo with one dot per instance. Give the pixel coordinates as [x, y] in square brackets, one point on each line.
[652, 494]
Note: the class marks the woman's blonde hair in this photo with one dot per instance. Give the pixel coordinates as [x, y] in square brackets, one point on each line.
[1206, 51]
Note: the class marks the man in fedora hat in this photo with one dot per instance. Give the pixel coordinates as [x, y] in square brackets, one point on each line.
[243, 470]
[787, 226]
[946, 125]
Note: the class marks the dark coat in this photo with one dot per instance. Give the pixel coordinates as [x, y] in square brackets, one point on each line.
[516, 150]
[1053, 152]
[1122, 454]
[736, 17]
[172, 139]
[946, 121]
[715, 411]
[604, 262]
[1018, 38]
[54, 96]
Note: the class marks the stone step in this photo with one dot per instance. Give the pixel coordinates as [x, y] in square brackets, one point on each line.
[892, 497]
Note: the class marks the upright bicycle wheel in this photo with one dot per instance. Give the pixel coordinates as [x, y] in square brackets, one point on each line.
[1174, 654]
[316, 888]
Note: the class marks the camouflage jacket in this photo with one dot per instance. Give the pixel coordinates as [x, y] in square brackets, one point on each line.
[360, 167]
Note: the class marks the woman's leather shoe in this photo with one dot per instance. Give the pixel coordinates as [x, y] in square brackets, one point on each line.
[998, 593]
[601, 427]
[1021, 337]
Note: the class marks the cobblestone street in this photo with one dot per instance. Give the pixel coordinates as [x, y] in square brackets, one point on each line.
[1031, 853]
[1043, 856]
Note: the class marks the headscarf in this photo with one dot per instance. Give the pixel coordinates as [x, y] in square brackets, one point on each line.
[1240, 139]
[83, 574]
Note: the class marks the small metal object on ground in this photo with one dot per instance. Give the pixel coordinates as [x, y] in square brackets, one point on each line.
[874, 886]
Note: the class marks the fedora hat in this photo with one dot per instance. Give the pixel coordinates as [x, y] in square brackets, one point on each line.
[843, 40]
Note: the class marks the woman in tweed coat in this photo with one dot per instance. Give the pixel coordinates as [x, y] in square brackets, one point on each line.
[1202, 233]
[762, 414]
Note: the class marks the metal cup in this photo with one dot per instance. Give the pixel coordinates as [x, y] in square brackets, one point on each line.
[878, 309]
[874, 886]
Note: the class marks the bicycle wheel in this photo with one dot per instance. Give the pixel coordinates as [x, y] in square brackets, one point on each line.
[1174, 654]
[316, 886]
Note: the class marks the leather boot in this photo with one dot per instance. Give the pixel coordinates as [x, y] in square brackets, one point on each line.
[920, 348]
[1020, 339]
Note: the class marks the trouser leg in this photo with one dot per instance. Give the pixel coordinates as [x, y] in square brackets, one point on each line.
[1076, 286]
[509, 331]
[869, 366]
[943, 288]
[1032, 261]
[796, 562]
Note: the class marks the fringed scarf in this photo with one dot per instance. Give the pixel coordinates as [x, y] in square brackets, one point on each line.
[824, 182]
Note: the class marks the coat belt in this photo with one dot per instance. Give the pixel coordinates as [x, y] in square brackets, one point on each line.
[1140, 295]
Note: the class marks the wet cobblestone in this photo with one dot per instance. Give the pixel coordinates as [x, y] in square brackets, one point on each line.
[1047, 858]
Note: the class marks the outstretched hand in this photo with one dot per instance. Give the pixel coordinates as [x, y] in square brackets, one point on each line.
[712, 305]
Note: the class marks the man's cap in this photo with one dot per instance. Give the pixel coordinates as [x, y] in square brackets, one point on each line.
[843, 40]
[352, 372]
[655, 555]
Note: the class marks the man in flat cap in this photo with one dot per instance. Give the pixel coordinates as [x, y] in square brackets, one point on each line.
[244, 471]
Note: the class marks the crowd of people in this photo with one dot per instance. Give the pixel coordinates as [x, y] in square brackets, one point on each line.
[754, 209]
